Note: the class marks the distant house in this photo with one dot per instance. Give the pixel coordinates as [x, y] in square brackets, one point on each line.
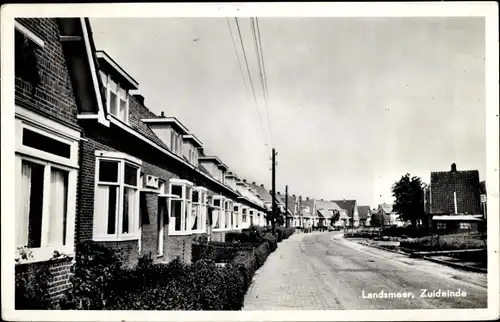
[351, 207]
[331, 214]
[455, 200]
[391, 218]
[364, 215]
[454, 192]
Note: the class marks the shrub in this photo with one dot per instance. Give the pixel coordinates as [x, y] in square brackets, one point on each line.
[94, 273]
[233, 236]
[32, 284]
[246, 264]
[272, 241]
[261, 254]
[285, 232]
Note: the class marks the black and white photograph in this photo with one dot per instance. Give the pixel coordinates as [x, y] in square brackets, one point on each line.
[250, 161]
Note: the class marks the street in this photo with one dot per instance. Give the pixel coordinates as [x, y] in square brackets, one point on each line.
[325, 271]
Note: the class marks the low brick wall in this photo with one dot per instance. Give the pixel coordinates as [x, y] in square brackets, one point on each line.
[60, 271]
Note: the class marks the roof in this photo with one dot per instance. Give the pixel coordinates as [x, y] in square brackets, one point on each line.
[193, 139]
[465, 185]
[261, 191]
[307, 203]
[170, 120]
[457, 217]
[215, 159]
[290, 204]
[108, 65]
[364, 212]
[386, 208]
[348, 205]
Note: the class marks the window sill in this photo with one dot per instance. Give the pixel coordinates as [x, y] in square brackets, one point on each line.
[180, 233]
[114, 238]
[46, 254]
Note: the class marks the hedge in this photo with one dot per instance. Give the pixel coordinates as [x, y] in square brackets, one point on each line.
[446, 242]
[100, 283]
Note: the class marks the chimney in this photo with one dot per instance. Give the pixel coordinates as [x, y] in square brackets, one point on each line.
[453, 167]
[270, 192]
[262, 185]
[253, 182]
[139, 98]
[321, 199]
[307, 198]
[162, 114]
[293, 195]
[278, 192]
[245, 180]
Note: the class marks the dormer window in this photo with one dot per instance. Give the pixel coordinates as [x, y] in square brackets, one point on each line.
[117, 102]
[117, 83]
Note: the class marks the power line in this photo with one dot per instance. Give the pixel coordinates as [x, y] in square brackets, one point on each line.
[237, 56]
[262, 80]
[248, 71]
[264, 77]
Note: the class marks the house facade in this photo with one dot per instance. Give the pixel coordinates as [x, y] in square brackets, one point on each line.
[47, 150]
[454, 201]
[351, 207]
[96, 164]
[331, 214]
[364, 215]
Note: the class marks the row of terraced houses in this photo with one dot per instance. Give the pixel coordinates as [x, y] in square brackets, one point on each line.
[94, 163]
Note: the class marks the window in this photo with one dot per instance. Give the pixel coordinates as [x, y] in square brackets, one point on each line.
[182, 215]
[199, 214]
[116, 214]
[45, 187]
[251, 217]
[218, 219]
[465, 225]
[26, 64]
[441, 225]
[228, 210]
[116, 98]
[236, 216]
[244, 215]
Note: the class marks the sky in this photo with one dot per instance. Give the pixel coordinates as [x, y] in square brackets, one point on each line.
[353, 103]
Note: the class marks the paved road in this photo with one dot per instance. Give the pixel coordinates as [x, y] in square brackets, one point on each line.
[325, 271]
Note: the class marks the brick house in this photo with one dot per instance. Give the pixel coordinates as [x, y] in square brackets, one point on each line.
[351, 206]
[47, 149]
[454, 201]
[145, 187]
[364, 215]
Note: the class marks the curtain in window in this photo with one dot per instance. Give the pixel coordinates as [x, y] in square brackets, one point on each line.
[194, 216]
[106, 205]
[216, 215]
[129, 204]
[58, 207]
[23, 205]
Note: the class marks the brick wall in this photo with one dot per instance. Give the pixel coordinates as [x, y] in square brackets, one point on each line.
[52, 98]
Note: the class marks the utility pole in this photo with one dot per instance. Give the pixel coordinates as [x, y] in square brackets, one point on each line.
[286, 207]
[273, 173]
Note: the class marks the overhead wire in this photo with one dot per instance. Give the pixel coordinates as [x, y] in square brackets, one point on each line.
[249, 74]
[264, 77]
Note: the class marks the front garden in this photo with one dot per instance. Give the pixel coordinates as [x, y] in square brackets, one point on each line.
[101, 283]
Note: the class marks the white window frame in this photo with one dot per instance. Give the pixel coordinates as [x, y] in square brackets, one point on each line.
[237, 215]
[251, 216]
[28, 33]
[186, 207]
[202, 203]
[221, 209]
[54, 130]
[122, 159]
[244, 215]
[118, 97]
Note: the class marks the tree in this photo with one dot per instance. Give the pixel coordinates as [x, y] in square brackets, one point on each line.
[377, 220]
[409, 199]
